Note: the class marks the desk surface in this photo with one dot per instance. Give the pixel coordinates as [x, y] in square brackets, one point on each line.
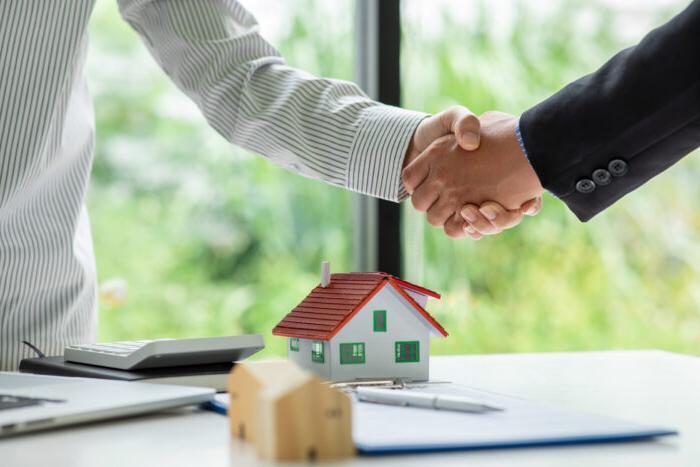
[653, 387]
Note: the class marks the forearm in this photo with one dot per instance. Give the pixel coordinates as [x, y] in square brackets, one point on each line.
[321, 128]
[641, 108]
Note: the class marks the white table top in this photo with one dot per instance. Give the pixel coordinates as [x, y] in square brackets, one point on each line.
[652, 387]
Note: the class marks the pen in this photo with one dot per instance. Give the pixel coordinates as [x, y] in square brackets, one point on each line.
[215, 406]
[422, 400]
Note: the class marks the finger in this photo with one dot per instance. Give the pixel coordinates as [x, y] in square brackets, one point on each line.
[471, 232]
[500, 217]
[424, 197]
[416, 172]
[439, 213]
[465, 126]
[532, 207]
[477, 220]
[454, 226]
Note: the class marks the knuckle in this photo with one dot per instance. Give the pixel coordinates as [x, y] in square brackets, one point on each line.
[433, 220]
[440, 175]
[453, 230]
[469, 120]
[452, 200]
[417, 203]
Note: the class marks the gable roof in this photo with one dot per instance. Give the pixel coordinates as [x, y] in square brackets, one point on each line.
[327, 309]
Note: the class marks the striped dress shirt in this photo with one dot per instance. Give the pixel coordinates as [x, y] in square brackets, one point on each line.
[321, 128]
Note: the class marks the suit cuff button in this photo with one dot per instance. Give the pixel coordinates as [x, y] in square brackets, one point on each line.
[618, 167]
[602, 177]
[585, 185]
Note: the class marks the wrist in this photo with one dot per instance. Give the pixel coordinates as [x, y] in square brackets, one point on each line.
[411, 153]
[520, 183]
[523, 149]
[529, 172]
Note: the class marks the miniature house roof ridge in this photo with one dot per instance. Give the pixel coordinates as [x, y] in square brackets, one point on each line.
[428, 317]
[326, 310]
[363, 276]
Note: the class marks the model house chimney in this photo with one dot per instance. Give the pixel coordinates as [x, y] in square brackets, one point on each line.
[325, 273]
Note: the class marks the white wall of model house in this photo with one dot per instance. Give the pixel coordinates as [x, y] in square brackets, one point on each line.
[403, 323]
[302, 357]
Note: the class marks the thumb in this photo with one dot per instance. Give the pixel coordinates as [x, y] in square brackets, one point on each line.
[456, 120]
[465, 126]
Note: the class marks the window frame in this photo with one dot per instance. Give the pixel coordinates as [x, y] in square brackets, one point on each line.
[318, 356]
[343, 361]
[294, 344]
[377, 223]
[375, 314]
[398, 356]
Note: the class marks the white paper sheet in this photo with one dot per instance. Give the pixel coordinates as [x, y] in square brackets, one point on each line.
[382, 428]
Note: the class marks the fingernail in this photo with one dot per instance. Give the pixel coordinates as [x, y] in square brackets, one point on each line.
[469, 229]
[470, 214]
[488, 212]
[531, 212]
[470, 139]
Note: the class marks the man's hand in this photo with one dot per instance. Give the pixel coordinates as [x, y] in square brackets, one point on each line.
[445, 177]
[490, 218]
[457, 121]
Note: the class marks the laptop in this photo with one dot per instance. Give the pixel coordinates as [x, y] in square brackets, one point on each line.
[37, 402]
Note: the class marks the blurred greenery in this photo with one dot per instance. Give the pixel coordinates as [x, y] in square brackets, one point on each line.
[212, 240]
[628, 278]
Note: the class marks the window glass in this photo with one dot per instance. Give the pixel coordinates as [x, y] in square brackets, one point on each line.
[407, 351]
[209, 239]
[379, 320]
[552, 283]
[352, 353]
[294, 344]
[317, 352]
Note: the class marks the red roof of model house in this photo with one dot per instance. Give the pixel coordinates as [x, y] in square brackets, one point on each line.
[326, 309]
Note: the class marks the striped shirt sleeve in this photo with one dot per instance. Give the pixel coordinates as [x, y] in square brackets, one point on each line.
[321, 128]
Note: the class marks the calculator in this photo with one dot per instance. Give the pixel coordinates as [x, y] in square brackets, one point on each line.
[159, 353]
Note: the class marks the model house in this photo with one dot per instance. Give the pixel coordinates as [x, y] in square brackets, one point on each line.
[362, 326]
[289, 413]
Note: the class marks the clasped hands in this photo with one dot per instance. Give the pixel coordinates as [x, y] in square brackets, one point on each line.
[469, 174]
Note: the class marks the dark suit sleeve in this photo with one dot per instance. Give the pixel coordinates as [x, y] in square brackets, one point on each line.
[609, 132]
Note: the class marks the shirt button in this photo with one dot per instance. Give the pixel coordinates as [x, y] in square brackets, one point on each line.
[618, 167]
[585, 186]
[602, 177]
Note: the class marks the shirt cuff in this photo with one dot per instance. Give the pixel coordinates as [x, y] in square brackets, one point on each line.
[378, 151]
[521, 143]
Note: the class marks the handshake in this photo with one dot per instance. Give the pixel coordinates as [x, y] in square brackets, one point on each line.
[470, 174]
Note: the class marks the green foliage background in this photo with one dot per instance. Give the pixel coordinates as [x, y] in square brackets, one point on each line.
[213, 240]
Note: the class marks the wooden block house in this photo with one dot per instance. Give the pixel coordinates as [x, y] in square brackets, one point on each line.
[246, 381]
[289, 413]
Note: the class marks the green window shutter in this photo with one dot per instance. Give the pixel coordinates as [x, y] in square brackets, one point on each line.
[407, 351]
[317, 352]
[294, 344]
[379, 320]
[352, 352]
